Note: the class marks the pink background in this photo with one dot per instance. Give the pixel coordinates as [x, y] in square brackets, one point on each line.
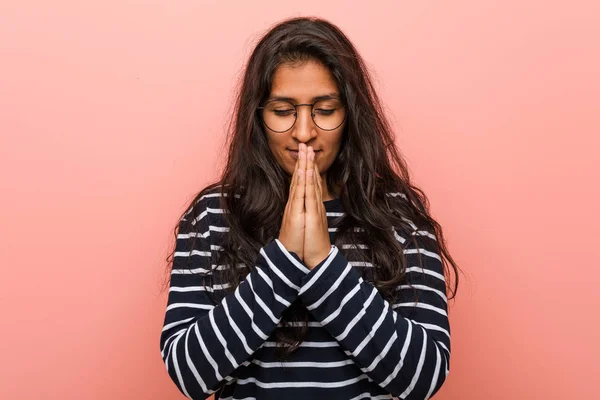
[111, 118]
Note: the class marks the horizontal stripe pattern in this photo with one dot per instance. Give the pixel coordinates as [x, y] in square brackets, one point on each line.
[357, 344]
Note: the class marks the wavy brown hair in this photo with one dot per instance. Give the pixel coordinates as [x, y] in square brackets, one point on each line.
[254, 188]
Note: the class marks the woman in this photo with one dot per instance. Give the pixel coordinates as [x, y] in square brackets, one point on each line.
[312, 268]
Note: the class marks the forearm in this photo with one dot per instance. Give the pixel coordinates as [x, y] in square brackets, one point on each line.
[203, 343]
[403, 357]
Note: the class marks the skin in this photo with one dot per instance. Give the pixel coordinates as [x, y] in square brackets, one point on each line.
[303, 83]
[304, 225]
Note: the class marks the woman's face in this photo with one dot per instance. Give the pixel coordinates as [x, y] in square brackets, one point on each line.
[303, 84]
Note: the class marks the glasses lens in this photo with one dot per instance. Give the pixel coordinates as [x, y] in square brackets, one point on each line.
[279, 116]
[329, 114]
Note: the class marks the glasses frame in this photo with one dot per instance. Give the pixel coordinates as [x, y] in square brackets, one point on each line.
[312, 114]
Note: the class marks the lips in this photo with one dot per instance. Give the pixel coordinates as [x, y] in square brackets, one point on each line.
[294, 153]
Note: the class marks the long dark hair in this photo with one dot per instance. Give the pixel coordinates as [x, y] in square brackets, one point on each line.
[254, 188]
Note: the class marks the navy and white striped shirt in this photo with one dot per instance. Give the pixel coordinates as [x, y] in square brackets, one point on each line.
[358, 346]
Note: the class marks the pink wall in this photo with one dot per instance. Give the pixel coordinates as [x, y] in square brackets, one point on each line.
[111, 115]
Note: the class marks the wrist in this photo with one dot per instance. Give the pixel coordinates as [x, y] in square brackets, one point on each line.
[317, 259]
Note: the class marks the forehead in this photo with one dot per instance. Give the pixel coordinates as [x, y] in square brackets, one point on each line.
[303, 82]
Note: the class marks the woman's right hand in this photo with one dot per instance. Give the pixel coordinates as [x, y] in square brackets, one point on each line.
[291, 234]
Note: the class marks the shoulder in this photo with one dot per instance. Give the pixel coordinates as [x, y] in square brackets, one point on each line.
[204, 207]
[402, 212]
[412, 228]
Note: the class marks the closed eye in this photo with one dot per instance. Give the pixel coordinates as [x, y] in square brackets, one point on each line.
[325, 112]
[283, 113]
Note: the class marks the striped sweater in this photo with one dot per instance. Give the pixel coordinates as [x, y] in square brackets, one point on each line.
[358, 345]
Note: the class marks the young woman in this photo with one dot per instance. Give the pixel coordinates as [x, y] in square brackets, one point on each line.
[312, 269]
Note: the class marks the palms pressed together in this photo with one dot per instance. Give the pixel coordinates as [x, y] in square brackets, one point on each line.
[304, 225]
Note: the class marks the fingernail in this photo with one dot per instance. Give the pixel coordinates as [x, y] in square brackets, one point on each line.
[312, 156]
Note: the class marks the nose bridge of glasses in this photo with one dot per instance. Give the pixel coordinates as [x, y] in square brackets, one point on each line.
[311, 115]
[310, 108]
[304, 126]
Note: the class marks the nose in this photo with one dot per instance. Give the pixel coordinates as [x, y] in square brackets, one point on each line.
[304, 129]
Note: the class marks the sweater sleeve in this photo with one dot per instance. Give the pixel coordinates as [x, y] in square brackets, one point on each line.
[203, 343]
[405, 347]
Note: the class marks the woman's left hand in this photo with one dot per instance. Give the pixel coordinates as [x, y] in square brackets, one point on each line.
[316, 235]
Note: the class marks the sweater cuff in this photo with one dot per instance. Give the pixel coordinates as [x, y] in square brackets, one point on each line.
[284, 269]
[326, 278]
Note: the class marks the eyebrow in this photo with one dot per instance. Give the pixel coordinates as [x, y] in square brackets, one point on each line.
[316, 98]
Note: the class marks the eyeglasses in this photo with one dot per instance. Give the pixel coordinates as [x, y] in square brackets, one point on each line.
[280, 116]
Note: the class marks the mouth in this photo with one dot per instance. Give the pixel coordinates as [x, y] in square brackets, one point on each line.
[294, 153]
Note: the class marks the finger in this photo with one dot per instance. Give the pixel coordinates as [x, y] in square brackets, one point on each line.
[299, 190]
[294, 180]
[319, 189]
[311, 193]
[318, 183]
[310, 159]
[293, 185]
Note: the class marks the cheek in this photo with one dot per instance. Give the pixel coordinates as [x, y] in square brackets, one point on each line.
[280, 155]
[334, 147]
[330, 157]
[336, 143]
[274, 146]
[273, 149]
